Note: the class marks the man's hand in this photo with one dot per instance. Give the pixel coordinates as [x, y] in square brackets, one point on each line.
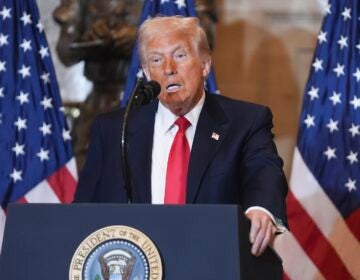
[262, 231]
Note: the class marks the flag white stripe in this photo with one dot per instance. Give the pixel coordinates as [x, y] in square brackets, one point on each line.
[296, 263]
[42, 193]
[2, 225]
[71, 166]
[320, 208]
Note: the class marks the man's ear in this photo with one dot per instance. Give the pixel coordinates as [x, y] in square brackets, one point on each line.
[206, 62]
[146, 72]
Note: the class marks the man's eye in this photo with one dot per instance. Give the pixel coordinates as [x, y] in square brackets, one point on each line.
[155, 60]
[180, 55]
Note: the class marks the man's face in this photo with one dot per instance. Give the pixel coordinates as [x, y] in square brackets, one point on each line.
[173, 60]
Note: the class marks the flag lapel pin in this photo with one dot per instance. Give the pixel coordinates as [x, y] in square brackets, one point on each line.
[215, 136]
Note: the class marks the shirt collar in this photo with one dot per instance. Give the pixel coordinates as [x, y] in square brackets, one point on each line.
[167, 118]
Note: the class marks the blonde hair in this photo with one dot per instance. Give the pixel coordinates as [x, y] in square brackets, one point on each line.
[153, 27]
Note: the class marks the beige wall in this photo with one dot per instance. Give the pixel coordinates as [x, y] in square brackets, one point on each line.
[263, 54]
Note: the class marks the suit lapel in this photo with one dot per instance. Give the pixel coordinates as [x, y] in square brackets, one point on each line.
[210, 133]
[140, 140]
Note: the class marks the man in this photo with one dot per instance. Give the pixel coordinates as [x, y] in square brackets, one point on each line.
[227, 152]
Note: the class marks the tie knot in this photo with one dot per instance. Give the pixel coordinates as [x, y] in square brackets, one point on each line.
[182, 123]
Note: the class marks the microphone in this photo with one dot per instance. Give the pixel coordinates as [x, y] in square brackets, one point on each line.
[145, 93]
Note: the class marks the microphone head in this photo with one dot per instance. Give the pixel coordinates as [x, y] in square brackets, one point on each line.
[145, 93]
[152, 89]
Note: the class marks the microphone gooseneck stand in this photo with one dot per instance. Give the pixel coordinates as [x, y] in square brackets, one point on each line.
[143, 93]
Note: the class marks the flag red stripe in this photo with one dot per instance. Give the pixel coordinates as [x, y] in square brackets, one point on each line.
[22, 200]
[314, 242]
[353, 222]
[63, 184]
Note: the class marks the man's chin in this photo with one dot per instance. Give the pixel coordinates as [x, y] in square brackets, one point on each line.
[177, 109]
[174, 103]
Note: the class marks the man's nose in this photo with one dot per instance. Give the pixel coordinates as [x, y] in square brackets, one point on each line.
[170, 67]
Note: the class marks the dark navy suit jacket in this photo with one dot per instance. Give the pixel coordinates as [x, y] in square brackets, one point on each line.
[241, 167]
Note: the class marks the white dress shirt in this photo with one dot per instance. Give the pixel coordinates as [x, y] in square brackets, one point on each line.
[164, 134]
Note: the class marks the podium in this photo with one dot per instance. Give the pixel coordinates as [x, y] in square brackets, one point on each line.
[194, 241]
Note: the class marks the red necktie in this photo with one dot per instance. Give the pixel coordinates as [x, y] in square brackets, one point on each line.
[177, 167]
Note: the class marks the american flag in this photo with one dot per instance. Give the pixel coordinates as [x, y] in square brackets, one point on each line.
[36, 161]
[153, 8]
[324, 201]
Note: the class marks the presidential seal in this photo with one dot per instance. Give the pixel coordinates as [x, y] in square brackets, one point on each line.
[116, 253]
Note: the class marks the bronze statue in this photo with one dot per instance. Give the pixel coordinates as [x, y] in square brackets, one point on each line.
[102, 33]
